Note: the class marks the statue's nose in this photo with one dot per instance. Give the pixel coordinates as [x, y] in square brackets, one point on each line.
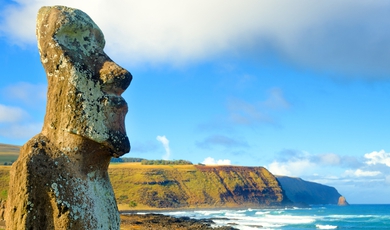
[115, 78]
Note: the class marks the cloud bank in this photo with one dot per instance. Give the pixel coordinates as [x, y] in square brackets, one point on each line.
[349, 37]
[380, 157]
[212, 161]
[303, 164]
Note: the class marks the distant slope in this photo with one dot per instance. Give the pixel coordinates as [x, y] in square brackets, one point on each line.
[305, 192]
[193, 186]
[139, 186]
[8, 153]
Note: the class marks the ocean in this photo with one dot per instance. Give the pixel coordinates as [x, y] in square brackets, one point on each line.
[316, 217]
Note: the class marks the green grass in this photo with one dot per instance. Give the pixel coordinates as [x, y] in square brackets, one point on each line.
[4, 181]
[8, 153]
[189, 186]
[152, 187]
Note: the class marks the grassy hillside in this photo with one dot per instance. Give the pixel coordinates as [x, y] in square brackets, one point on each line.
[8, 153]
[191, 186]
[151, 187]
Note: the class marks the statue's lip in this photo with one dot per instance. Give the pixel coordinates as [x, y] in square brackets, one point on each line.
[114, 101]
[119, 145]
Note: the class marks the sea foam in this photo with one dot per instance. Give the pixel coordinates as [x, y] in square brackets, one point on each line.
[319, 226]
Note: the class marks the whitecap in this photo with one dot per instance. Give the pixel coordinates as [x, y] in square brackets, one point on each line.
[261, 212]
[210, 212]
[327, 226]
[178, 213]
[234, 214]
[353, 216]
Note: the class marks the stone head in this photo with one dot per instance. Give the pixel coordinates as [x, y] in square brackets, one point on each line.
[84, 84]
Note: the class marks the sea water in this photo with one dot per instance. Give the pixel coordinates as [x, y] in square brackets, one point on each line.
[316, 217]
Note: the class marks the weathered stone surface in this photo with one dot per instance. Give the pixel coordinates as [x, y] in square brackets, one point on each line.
[60, 179]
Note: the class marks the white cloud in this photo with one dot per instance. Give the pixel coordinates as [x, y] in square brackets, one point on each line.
[278, 168]
[212, 161]
[362, 173]
[297, 167]
[332, 35]
[380, 157]
[11, 114]
[165, 142]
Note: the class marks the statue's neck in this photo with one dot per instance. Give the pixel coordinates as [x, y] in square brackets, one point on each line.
[88, 155]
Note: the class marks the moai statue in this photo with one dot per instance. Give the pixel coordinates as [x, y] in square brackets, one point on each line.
[60, 179]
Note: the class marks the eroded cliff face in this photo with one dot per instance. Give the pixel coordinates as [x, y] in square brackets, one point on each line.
[195, 186]
[306, 192]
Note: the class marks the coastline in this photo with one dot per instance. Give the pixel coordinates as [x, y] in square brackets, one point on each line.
[330, 216]
[146, 219]
[149, 221]
[165, 222]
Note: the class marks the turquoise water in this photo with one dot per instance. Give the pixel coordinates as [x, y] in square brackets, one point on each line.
[317, 217]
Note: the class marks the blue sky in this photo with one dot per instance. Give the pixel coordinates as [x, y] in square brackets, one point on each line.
[299, 87]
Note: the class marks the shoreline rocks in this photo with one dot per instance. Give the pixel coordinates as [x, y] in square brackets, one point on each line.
[158, 221]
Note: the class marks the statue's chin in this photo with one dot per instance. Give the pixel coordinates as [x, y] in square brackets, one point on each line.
[118, 144]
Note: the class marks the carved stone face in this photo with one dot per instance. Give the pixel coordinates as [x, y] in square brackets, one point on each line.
[85, 85]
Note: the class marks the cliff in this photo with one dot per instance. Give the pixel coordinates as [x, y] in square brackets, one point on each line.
[304, 192]
[139, 186]
[193, 186]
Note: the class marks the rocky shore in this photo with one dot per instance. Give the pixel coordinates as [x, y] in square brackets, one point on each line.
[159, 221]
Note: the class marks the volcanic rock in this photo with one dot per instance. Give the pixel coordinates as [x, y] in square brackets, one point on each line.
[60, 179]
[342, 201]
[163, 222]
